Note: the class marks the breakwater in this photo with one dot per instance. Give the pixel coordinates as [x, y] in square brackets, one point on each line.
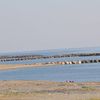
[32, 57]
[68, 62]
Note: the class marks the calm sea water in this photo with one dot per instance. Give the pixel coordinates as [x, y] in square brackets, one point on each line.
[77, 73]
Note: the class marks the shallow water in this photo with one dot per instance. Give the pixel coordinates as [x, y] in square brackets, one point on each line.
[77, 73]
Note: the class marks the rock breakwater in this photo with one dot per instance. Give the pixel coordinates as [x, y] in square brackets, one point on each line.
[32, 57]
[69, 62]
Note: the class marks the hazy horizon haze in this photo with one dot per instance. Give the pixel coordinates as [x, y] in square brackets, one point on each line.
[49, 24]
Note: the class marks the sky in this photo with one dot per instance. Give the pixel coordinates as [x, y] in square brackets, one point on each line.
[49, 24]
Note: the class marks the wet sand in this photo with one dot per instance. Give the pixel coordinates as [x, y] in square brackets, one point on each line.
[45, 90]
[15, 66]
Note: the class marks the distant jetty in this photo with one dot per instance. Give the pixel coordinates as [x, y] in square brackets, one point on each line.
[32, 57]
[14, 66]
[68, 62]
[42, 64]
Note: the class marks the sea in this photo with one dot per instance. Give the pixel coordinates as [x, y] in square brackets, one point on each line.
[78, 72]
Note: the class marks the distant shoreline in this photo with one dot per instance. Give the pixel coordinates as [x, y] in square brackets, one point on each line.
[15, 66]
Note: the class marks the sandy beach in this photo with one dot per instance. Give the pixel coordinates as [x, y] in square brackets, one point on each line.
[45, 90]
[15, 66]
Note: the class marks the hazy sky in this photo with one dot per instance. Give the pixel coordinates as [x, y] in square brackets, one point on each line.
[48, 24]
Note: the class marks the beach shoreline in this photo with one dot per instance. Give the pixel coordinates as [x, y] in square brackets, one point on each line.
[17, 66]
[47, 90]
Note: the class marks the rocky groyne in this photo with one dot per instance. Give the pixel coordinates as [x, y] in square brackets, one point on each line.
[5, 66]
[32, 57]
[68, 62]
